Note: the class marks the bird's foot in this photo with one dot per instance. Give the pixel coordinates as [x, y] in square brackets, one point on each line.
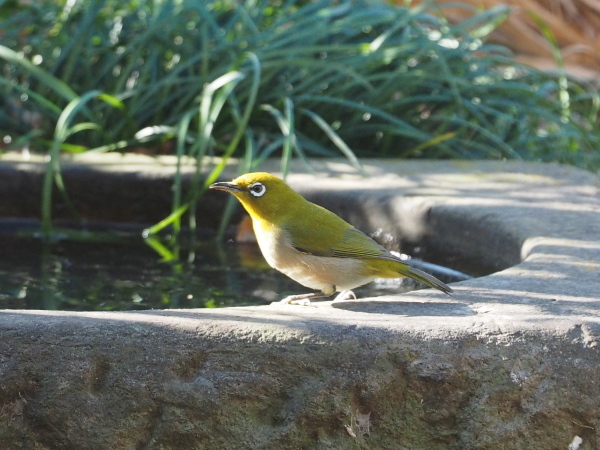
[345, 295]
[301, 300]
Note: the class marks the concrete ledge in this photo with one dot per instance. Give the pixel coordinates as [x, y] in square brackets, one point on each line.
[511, 361]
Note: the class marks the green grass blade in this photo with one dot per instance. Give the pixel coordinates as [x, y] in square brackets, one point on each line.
[336, 139]
[46, 78]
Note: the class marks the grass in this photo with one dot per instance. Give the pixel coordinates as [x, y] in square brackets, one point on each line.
[258, 79]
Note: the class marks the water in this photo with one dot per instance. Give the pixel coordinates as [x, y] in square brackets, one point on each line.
[117, 270]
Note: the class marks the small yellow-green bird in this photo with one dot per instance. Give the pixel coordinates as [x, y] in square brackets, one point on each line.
[312, 245]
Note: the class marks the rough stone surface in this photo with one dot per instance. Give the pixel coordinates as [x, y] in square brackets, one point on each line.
[511, 361]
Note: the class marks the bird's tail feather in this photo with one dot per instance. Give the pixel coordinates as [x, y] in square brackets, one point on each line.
[425, 278]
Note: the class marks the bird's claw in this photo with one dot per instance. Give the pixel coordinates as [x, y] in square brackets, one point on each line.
[293, 300]
[302, 302]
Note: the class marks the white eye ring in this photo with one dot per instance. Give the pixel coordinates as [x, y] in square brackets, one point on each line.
[257, 189]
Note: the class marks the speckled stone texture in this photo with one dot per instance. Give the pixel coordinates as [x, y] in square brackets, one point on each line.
[511, 361]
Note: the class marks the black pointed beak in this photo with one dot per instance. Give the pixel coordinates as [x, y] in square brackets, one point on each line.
[227, 187]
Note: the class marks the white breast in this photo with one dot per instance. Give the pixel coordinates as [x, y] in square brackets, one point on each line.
[316, 272]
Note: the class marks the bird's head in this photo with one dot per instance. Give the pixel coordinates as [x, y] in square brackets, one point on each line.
[263, 195]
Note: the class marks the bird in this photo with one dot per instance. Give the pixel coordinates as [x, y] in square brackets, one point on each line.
[312, 245]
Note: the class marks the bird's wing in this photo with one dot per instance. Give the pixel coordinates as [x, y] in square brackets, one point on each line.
[356, 244]
[320, 232]
[350, 243]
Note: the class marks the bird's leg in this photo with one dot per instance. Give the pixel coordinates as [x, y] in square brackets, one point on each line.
[345, 295]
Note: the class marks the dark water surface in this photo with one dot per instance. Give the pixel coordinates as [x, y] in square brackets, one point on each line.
[116, 270]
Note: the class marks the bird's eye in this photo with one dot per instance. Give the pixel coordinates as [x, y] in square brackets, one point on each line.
[258, 189]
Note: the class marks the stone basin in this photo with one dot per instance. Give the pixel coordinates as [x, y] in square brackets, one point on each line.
[510, 361]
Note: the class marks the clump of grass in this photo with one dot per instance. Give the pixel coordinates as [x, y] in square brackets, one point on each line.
[264, 78]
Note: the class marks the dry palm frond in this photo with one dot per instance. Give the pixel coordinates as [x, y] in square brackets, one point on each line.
[575, 25]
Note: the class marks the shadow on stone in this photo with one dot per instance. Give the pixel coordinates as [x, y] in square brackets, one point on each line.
[405, 308]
